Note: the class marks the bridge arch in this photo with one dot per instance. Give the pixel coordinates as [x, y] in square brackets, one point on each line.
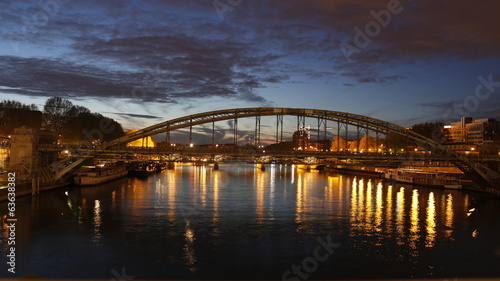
[474, 170]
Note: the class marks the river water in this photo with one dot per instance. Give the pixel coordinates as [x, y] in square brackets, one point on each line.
[243, 223]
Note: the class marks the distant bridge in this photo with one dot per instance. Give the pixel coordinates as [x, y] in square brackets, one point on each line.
[344, 121]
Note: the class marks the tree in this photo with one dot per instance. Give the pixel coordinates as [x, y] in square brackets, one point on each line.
[55, 112]
[85, 127]
[14, 114]
[73, 123]
[395, 143]
[433, 131]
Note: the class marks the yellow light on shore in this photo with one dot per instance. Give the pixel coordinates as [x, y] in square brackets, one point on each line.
[143, 142]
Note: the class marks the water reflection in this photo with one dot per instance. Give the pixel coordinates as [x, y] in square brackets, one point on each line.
[449, 215]
[97, 221]
[216, 190]
[373, 207]
[368, 226]
[200, 183]
[431, 221]
[378, 208]
[260, 181]
[361, 203]
[400, 215]
[403, 216]
[272, 183]
[171, 181]
[354, 207]
[194, 218]
[330, 196]
[388, 217]
[414, 221]
[300, 200]
[189, 252]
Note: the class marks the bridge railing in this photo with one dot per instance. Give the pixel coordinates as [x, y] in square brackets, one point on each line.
[85, 150]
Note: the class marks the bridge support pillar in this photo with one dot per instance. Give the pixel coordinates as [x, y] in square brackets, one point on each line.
[261, 167]
[171, 165]
[24, 154]
[216, 166]
[35, 185]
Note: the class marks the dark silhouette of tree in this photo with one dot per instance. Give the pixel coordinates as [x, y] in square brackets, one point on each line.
[14, 114]
[55, 113]
[432, 131]
[77, 124]
[72, 123]
[86, 127]
[395, 143]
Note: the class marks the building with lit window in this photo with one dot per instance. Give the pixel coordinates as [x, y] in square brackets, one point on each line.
[301, 141]
[473, 131]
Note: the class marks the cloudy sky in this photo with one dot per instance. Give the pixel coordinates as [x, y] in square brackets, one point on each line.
[143, 62]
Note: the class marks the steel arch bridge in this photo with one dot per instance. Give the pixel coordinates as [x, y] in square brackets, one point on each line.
[472, 169]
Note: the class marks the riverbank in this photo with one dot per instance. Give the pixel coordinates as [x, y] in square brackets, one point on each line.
[24, 187]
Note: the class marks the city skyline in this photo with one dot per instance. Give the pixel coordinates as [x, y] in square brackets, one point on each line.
[142, 63]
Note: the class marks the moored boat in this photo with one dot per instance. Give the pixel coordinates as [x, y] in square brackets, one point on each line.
[144, 169]
[93, 175]
[420, 177]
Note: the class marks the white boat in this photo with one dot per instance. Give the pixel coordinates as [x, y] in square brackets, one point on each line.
[92, 175]
[420, 177]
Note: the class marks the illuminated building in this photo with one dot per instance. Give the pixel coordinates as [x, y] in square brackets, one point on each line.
[365, 144]
[477, 131]
[143, 142]
[338, 144]
[300, 139]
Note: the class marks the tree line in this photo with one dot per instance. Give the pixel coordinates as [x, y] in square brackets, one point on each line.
[73, 124]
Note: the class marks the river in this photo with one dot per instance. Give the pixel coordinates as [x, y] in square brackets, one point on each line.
[239, 222]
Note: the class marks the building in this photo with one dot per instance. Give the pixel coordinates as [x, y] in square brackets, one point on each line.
[365, 144]
[143, 142]
[301, 141]
[473, 131]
